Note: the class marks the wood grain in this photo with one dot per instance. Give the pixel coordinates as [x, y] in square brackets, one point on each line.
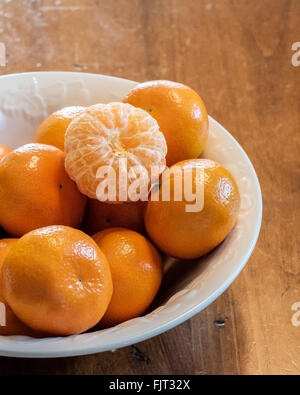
[237, 55]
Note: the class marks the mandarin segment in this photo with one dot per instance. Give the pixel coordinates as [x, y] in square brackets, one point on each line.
[57, 280]
[106, 133]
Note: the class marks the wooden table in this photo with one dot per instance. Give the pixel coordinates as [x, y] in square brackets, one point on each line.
[237, 55]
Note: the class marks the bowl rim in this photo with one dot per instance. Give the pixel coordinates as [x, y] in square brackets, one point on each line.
[175, 321]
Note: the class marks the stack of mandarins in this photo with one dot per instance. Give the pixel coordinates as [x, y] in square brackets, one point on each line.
[78, 204]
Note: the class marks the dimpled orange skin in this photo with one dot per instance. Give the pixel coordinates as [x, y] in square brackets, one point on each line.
[136, 268]
[57, 280]
[180, 113]
[35, 190]
[52, 131]
[4, 150]
[100, 216]
[13, 326]
[189, 235]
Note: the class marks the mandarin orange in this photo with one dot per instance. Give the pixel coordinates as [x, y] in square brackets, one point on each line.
[4, 150]
[119, 137]
[36, 191]
[12, 325]
[57, 280]
[52, 131]
[180, 113]
[184, 234]
[136, 269]
[100, 216]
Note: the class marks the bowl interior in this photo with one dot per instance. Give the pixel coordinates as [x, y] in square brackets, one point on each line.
[188, 286]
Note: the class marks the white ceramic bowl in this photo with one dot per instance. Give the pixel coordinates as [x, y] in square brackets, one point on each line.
[25, 100]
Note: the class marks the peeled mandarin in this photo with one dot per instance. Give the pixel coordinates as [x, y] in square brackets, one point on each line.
[121, 138]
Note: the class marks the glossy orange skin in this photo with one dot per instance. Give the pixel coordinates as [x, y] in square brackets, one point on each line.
[52, 131]
[100, 216]
[180, 113]
[4, 150]
[136, 269]
[189, 235]
[57, 280]
[13, 326]
[35, 190]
